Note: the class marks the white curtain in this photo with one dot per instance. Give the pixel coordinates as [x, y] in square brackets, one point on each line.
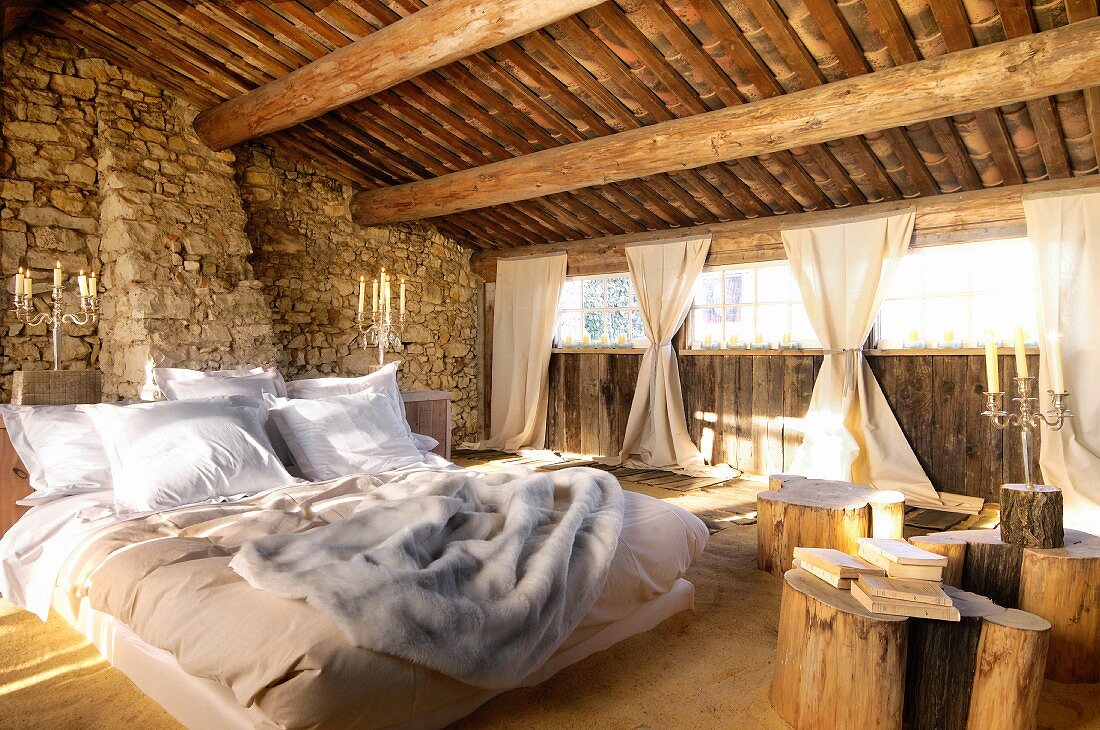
[525, 313]
[850, 433]
[1065, 232]
[656, 432]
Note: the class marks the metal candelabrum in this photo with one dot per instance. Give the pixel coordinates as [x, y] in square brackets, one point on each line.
[26, 312]
[1028, 416]
[380, 330]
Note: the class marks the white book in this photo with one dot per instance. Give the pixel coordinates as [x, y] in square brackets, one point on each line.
[900, 570]
[900, 551]
[892, 607]
[838, 563]
[833, 580]
[901, 589]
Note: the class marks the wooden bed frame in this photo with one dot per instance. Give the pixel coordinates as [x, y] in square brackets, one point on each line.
[428, 413]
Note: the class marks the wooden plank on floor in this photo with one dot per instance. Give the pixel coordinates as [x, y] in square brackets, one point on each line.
[930, 519]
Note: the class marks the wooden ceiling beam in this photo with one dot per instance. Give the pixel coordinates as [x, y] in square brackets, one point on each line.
[985, 214]
[1055, 61]
[1076, 12]
[13, 13]
[428, 39]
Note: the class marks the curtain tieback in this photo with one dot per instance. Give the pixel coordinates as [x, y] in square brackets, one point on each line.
[851, 365]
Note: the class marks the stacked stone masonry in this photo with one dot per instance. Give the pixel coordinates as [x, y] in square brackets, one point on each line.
[208, 260]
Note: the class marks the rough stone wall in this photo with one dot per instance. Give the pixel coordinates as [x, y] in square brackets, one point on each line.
[48, 185]
[309, 255]
[100, 169]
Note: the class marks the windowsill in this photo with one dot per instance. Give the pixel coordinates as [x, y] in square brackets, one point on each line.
[900, 352]
[609, 350]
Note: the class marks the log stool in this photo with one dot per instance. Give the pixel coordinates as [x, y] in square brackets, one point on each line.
[800, 512]
[839, 666]
[1059, 584]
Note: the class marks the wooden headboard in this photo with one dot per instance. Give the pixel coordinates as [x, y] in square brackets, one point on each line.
[14, 484]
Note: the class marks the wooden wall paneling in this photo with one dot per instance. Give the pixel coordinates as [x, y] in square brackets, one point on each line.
[1013, 450]
[948, 423]
[799, 374]
[623, 373]
[555, 407]
[603, 404]
[727, 401]
[572, 371]
[767, 414]
[746, 444]
[984, 445]
[587, 403]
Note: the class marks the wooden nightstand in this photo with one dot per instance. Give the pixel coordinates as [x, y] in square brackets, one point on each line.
[429, 414]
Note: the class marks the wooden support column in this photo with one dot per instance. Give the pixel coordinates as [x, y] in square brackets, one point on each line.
[1051, 62]
[442, 32]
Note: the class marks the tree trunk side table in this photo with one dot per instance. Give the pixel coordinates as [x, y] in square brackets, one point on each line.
[839, 666]
[1059, 584]
[800, 512]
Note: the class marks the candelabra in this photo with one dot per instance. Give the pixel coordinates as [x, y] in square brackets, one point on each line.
[26, 312]
[380, 330]
[1029, 418]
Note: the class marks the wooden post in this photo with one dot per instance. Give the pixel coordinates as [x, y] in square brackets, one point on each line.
[939, 673]
[1063, 586]
[836, 665]
[978, 561]
[1031, 516]
[1012, 653]
[821, 513]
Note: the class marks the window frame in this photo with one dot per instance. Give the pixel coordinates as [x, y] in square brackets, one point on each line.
[607, 311]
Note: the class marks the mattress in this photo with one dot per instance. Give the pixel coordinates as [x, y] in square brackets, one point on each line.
[160, 588]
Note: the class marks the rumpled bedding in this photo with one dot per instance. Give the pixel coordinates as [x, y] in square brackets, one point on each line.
[167, 577]
[478, 576]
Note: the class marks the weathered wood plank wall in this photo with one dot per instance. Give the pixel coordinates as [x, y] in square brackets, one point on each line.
[747, 409]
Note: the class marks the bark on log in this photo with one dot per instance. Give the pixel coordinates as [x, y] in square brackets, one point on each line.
[1063, 586]
[940, 665]
[977, 561]
[1008, 676]
[820, 513]
[837, 665]
[1051, 62]
[1031, 517]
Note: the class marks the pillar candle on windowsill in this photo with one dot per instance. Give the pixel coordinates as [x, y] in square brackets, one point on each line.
[622, 339]
[1057, 377]
[992, 371]
[1021, 353]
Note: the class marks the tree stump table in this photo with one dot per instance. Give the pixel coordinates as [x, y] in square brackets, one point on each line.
[839, 666]
[800, 512]
[1059, 584]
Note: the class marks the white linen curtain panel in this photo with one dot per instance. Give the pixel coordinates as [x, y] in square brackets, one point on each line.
[850, 433]
[528, 291]
[1065, 234]
[656, 433]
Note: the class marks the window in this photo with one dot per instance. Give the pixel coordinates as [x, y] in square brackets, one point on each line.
[600, 311]
[952, 296]
[757, 305]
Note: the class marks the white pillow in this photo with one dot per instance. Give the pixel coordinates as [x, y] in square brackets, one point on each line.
[180, 383]
[344, 434]
[60, 448]
[171, 453]
[383, 381]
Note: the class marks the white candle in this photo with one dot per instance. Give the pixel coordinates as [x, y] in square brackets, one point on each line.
[1057, 377]
[401, 295]
[992, 372]
[362, 293]
[734, 339]
[28, 284]
[758, 340]
[708, 341]
[19, 283]
[948, 336]
[93, 286]
[603, 339]
[57, 276]
[568, 340]
[586, 339]
[786, 339]
[374, 296]
[1021, 354]
[622, 338]
[82, 283]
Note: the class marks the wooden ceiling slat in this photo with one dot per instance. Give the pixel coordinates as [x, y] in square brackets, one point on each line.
[894, 29]
[955, 30]
[1017, 20]
[1076, 11]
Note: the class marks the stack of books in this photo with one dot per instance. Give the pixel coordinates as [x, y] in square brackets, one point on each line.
[836, 568]
[911, 585]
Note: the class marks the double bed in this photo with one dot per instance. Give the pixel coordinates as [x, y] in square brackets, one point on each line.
[155, 594]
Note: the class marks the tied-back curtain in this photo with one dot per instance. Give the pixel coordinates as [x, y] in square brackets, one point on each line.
[1064, 230]
[525, 313]
[850, 433]
[656, 434]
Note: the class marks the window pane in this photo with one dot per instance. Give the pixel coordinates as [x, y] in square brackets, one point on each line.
[594, 325]
[739, 286]
[946, 271]
[594, 293]
[637, 329]
[708, 288]
[948, 319]
[620, 325]
[802, 331]
[899, 319]
[707, 323]
[570, 327]
[620, 292]
[771, 321]
[773, 284]
[571, 294]
[740, 324]
[908, 280]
